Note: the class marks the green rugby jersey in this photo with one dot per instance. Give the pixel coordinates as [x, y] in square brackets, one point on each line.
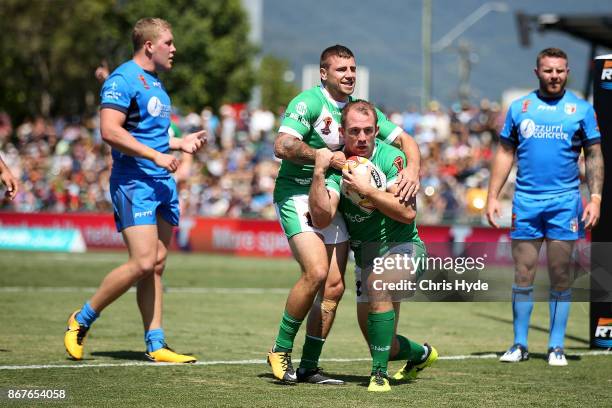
[314, 117]
[373, 229]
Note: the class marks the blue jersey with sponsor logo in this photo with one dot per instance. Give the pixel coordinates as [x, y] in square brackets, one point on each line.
[548, 135]
[142, 97]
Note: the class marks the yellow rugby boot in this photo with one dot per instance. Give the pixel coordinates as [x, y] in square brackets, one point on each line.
[379, 382]
[74, 338]
[280, 361]
[167, 355]
[410, 371]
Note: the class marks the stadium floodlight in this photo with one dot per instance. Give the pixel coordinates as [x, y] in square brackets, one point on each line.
[448, 38]
[467, 22]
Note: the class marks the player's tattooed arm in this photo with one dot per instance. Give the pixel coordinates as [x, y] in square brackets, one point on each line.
[595, 176]
[594, 168]
[288, 147]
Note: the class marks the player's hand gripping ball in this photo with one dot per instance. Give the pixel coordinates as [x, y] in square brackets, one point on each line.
[363, 167]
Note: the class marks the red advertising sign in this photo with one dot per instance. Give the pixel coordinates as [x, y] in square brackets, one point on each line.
[244, 237]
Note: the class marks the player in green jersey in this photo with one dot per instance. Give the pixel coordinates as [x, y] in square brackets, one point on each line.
[382, 231]
[311, 122]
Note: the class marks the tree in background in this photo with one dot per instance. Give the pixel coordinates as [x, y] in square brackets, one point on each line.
[275, 89]
[50, 50]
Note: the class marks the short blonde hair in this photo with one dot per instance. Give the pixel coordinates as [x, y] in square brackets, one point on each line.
[148, 29]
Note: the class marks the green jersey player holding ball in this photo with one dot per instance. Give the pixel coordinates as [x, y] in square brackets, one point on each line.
[380, 226]
[312, 122]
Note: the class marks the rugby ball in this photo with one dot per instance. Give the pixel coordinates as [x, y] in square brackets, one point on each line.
[362, 166]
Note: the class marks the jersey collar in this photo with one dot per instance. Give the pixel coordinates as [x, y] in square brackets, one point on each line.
[328, 96]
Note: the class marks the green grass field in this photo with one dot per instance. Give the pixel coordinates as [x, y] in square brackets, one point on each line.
[226, 312]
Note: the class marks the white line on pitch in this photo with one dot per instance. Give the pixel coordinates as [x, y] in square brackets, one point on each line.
[243, 362]
[75, 289]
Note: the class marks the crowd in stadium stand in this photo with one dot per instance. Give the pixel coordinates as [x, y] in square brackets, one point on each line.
[64, 166]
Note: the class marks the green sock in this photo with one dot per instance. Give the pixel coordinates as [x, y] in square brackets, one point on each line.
[380, 332]
[311, 352]
[289, 327]
[409, 351]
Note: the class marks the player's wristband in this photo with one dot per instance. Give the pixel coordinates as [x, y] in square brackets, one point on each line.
[596, 197]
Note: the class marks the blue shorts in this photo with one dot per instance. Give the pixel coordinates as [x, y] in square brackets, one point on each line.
[137, 201]
[554, 218]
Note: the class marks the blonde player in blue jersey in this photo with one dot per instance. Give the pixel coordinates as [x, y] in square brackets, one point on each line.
[134, 121]
[546, 130]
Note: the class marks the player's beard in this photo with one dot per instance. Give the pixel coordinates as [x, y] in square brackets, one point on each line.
[550, 91]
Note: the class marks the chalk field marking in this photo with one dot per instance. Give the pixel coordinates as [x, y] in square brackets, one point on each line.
[243, 362]
[196, 290]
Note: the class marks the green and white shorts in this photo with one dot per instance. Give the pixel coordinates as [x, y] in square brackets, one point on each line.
[294, 217]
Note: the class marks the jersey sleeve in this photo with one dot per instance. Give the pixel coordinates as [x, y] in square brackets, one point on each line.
[333, 181]
[396, 162]
[299, 116]
[589, 129]
[387, 130]
[116, 94]
[509, 133]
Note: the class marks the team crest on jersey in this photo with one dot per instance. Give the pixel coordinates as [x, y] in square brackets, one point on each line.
[144, 81]
[526, 103]
[301, 108]
[398, 163]
[570, 108]
[327, 122]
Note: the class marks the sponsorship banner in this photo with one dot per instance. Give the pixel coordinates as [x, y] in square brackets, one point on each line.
[41, 239]
[98, 230]
[239, 237]
[601, 313]
[246, 237]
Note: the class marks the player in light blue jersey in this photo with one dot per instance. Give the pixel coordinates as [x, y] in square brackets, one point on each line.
[547, 130]
[134, 120]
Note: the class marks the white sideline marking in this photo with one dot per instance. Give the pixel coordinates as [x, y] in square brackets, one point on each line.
[242, 362]
[75, 289]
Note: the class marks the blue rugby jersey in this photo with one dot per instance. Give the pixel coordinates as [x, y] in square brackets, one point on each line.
[142, 97]
[548, 135]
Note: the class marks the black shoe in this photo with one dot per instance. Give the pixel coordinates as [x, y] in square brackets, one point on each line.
[316, 376]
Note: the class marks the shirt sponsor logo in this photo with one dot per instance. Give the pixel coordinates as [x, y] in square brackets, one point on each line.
[547, 107]
[356, 218]
[529, 128]
[297, 118]
[301, 108]
[303, 181]
[112, 93]
[570, 108]
[156, 108]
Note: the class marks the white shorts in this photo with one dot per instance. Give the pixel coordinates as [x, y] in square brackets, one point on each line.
[294, 217]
